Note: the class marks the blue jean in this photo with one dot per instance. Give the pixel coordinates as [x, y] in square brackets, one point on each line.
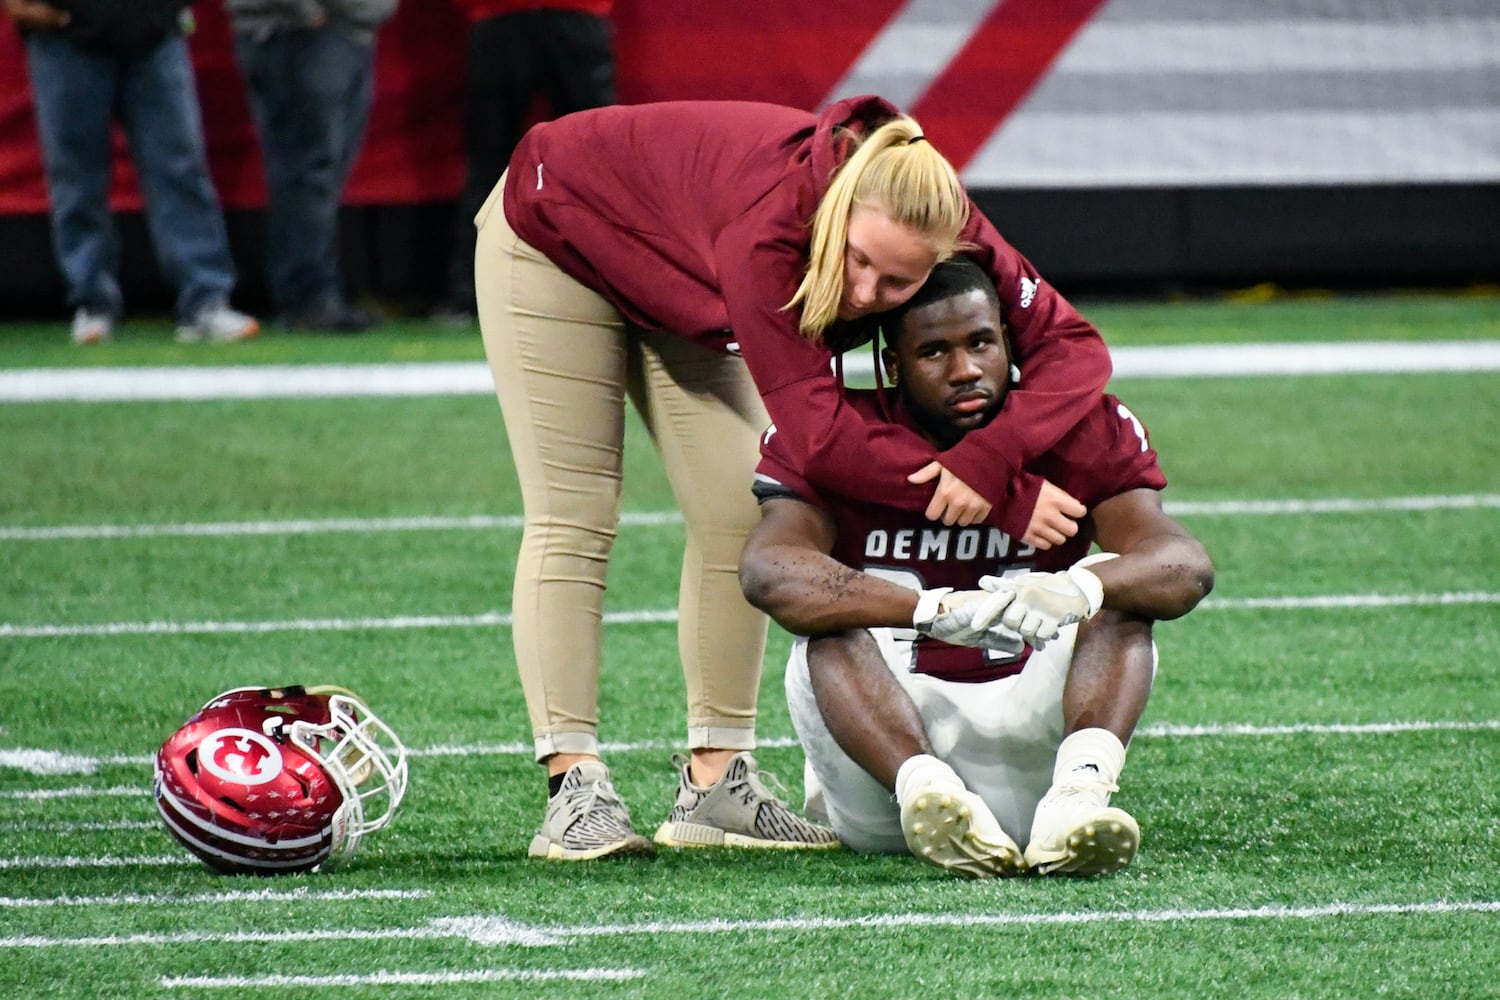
[310, 91]
[76, 94]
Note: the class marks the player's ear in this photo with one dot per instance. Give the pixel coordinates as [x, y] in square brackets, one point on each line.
[892, 365]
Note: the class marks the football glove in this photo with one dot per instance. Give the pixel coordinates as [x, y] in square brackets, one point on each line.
[965, 618]
[1042, 603]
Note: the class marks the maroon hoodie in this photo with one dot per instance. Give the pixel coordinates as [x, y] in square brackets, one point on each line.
[693, 217]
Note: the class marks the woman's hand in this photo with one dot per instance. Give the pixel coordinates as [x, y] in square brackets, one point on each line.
[953, 502]
[1054, 520]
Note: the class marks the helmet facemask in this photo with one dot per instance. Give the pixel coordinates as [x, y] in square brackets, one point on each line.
[365, 759]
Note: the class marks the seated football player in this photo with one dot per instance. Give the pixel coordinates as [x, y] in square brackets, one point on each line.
[991, 686]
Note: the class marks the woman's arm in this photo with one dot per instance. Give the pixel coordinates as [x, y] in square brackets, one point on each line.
[1064, 366]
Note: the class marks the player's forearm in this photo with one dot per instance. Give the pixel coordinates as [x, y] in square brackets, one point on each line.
[1161, 577]
[811, 594]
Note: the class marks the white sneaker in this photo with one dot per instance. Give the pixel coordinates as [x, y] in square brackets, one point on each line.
[1076, 832]
[92, 327]
[217, 324]
[949, 826]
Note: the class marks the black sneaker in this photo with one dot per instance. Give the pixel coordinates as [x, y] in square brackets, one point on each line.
[331, 316]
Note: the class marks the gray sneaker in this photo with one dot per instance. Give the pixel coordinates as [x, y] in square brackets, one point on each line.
[586, 819]
[739, 811]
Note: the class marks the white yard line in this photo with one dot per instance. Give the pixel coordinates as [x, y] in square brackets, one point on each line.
[54, 763]
[1329, 505]
[297, 895]
[512, 522]
[385, 978]
[45, 794]
[28, 826]
[106, 385]
[497, 619]
[490, 930]
[99, 861]
[496, 931]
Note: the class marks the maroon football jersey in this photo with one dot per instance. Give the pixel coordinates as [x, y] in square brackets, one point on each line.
[1105, 455]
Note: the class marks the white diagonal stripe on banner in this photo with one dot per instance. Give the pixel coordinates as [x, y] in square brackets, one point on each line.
[911, 50]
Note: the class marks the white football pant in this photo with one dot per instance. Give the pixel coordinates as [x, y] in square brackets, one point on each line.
[1001, 737]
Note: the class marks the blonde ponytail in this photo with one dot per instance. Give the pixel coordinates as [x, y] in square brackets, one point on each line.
[898, 170]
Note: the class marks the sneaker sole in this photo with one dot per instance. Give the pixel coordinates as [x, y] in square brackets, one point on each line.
[699, 835]
[937, 831]
[1098, 847]
[634, 846]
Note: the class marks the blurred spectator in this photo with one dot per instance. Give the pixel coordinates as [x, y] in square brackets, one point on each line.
[88, 60]
[309, 69]
[519, 50]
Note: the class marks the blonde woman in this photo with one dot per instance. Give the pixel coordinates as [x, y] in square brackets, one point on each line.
[707, 260]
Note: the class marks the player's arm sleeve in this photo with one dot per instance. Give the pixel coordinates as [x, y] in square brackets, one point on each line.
[777, 478]
[1064, 368]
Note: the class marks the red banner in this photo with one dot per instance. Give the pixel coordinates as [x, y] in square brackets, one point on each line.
[787, 51]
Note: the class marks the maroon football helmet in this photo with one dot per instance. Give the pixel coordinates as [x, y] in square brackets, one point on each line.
[270, 780]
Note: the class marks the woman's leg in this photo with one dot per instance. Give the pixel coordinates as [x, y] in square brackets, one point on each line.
[706, 418]
[557, 353]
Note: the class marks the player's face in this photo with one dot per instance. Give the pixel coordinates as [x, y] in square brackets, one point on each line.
[884, 263]
[952, 365]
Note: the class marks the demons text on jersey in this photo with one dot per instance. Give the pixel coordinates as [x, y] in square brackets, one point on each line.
[942, 544]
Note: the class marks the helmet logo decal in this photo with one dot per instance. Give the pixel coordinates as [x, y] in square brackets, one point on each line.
[240, 755]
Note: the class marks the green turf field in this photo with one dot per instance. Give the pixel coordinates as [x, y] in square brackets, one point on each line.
[1316, 778]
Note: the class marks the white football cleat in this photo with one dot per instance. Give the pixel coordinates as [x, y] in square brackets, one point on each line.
[949, 826]
[1077, 832]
